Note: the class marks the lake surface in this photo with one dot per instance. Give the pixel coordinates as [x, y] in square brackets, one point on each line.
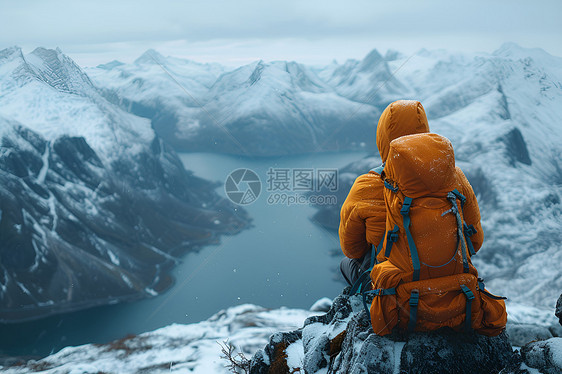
[282, 260]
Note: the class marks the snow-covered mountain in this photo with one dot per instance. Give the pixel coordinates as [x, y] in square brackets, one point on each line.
[503, 113]
[94, 208]
[260, 109]
[169, 91]
[368, 81]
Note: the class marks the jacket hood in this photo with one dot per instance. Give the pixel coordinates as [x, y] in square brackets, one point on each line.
[421, 165]
[402, 117]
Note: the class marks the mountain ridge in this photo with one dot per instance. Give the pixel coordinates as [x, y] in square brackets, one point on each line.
[78, 176]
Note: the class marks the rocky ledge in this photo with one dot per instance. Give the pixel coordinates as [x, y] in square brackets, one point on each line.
[342, 341]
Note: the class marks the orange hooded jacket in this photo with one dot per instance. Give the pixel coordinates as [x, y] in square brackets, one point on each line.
[364, 222]
[363, 214]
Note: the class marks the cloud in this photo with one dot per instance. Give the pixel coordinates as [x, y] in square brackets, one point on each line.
[141, 24]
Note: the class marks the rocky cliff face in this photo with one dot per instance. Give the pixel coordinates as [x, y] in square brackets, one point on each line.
[94, 208]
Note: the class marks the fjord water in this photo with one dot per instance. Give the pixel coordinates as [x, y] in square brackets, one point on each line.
[283, 259]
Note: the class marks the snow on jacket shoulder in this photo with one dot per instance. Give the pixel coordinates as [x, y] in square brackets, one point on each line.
[363, 216]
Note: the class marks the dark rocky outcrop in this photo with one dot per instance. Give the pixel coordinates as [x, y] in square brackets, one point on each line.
[78, 232]
[342, 341]
[543, 356]
[516, 147]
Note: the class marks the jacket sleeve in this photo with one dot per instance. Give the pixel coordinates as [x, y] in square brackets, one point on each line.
[471, 212]
[363, 216]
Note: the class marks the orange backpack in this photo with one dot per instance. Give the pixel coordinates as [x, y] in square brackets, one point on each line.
[427, 280]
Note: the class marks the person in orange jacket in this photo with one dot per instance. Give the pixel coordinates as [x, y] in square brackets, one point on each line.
[363, 214]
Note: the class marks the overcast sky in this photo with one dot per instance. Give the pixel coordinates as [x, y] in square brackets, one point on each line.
[239, 31]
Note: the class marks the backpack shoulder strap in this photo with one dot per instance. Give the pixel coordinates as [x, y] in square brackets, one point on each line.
[452, 197]
[360, 282]
[378, 169]
[405, 212]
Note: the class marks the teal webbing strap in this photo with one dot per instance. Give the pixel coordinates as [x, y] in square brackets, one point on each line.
[469, 230]
[377, 292]
[378, 250]
[452, 197]
[391, 237]
[414, 301]
[356, 287]
[459, 196]
[469, 297]
[482, 288]
[390, 187]
[378, 169]
[405, 211]
[493, 296]
[364, 296]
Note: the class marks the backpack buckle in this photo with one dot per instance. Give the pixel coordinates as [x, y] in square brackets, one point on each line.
[406, 206]
[467, 292]
[392, 235]
[469, 230]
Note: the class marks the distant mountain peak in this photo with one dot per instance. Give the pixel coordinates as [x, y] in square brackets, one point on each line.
[110, 65]
[11, 58]
[49, 66]
[514, 50]
[46, 53]
[151, 56]
[8, 53]
[373, 59]
[392, 55]
[54, 68]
